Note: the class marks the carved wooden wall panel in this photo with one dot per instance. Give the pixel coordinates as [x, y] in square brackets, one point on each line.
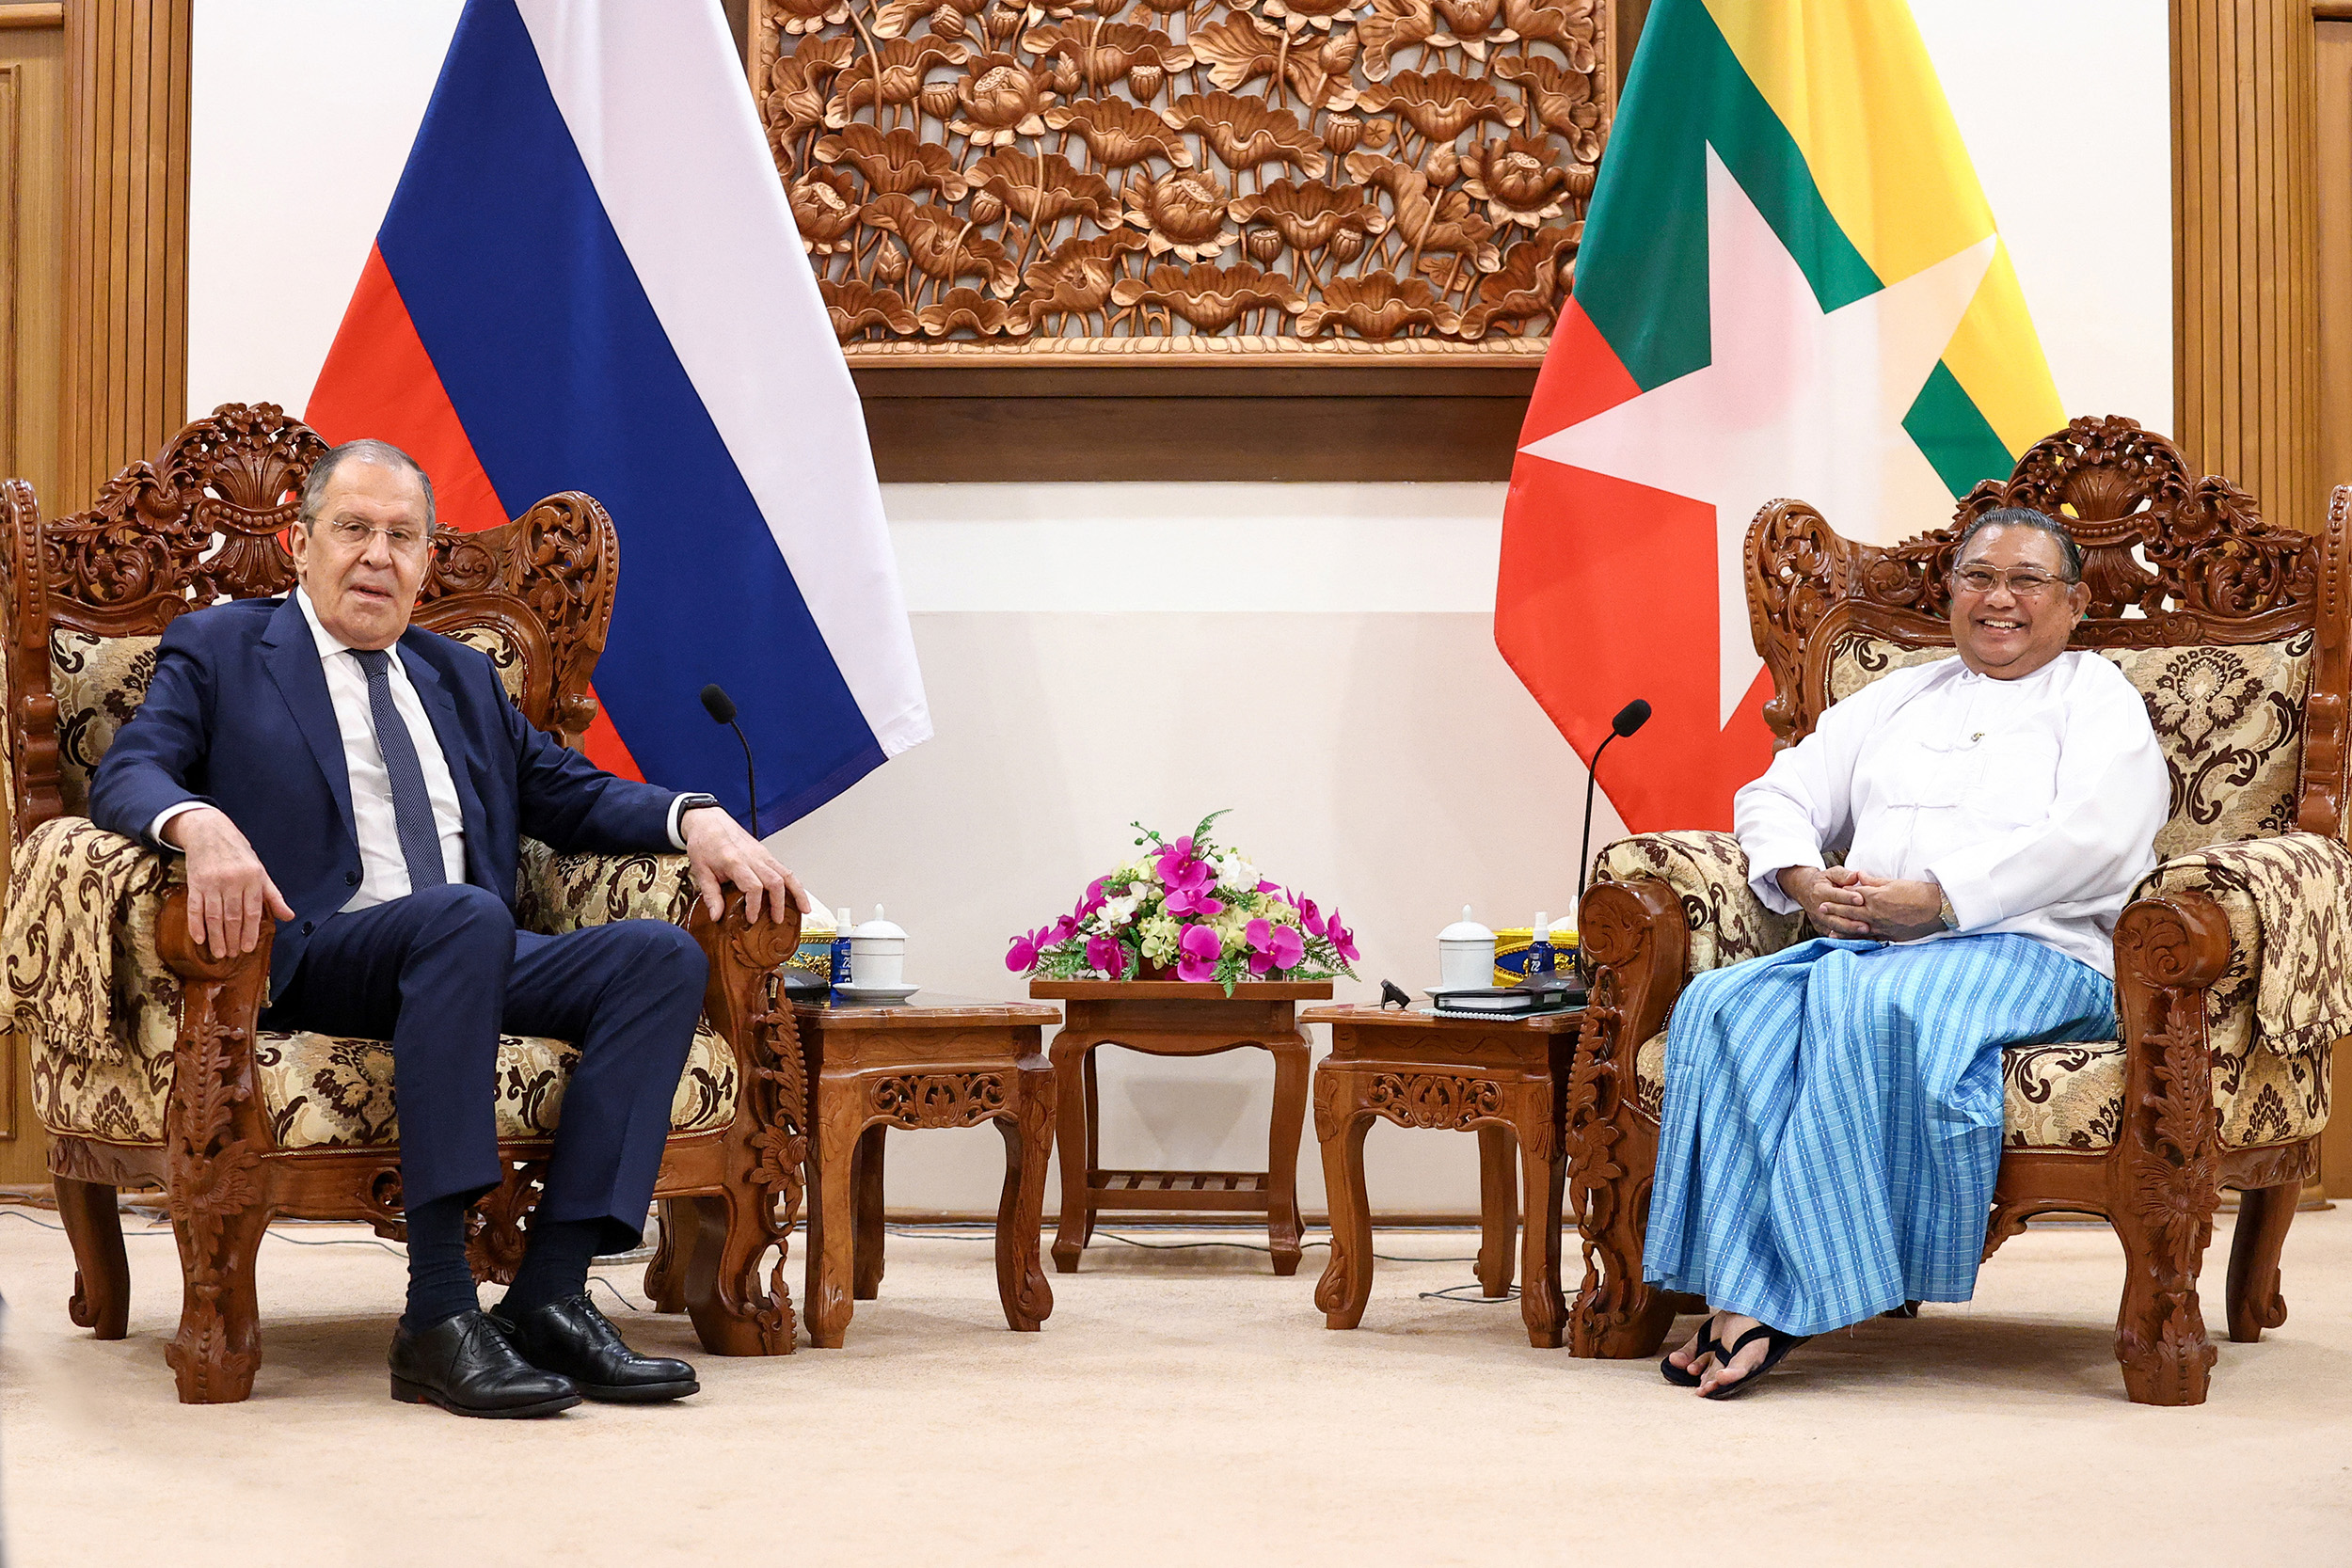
[1311, 178]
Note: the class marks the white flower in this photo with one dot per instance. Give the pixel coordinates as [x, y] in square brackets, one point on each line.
[1234, 871]
[1121, 910]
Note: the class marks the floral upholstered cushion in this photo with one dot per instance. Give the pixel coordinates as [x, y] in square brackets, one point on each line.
[555, 894]
[2229, 722]
[99, 683]
[71, 884]
[506, 654]
[320, 1090]
[2288, 899]
[1709, 872]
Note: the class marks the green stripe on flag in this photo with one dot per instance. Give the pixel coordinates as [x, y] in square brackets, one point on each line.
[1641, 272]
[1953, 435]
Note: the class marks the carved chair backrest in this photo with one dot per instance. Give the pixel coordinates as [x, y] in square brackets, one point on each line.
[2234, 631]
[89, 596]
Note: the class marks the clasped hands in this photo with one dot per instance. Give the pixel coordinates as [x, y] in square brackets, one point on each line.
[1844, 902]
[230, 891]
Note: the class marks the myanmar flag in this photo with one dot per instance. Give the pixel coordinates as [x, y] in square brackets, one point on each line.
[1790, 285]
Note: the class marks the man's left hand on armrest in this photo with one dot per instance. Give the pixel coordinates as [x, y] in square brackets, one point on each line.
[720, 854]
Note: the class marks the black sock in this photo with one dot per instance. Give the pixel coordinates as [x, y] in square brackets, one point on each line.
[555, 1265]
[440, 1285]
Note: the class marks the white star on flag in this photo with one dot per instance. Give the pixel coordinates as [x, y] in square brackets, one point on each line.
[1797, 402]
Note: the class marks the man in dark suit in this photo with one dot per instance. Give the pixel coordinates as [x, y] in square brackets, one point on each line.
[364, 783]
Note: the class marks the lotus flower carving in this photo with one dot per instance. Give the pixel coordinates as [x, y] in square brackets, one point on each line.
[855, 306]
[1246, 134]
[1442, 104]
[1184, 211]
[1377, 306]
[895, 162]
[1119, 133]
[1210, 297]
[1309, 217]
[1045, 189]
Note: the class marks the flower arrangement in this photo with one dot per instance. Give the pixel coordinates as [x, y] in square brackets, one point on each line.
[1190, 908]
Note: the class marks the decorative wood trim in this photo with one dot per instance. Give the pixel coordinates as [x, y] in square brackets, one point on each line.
[2246, 366]
[50, 15]
[126, 338]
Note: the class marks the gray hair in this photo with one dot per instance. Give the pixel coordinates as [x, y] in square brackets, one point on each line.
[2026, 517]
[382, 454]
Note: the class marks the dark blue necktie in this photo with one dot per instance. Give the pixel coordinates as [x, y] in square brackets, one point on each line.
[412, 808]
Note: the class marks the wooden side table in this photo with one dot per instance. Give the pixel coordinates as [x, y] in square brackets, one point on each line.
[1503, 1080]
[937, 1061]
[1177, 1018]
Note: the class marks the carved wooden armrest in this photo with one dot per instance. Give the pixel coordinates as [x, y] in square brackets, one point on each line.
[2286, 904]
[555, 894]
[744, 1003]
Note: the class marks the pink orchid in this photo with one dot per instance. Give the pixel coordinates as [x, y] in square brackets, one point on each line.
[1061, 931]
[1023, 954]
[1342, 940]
[1197, 952]
[1269, 887]
[1276, 946]
[1104, 953]
[1309, 917]
[1183, 901]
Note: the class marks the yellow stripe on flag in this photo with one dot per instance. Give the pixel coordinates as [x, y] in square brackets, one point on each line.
[1852, 83]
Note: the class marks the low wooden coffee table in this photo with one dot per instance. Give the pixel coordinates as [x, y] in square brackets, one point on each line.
[1503, 1080]
[1177, 1017]
[933, 1061]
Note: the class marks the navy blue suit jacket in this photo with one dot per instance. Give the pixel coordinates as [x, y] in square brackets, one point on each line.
[238, 717]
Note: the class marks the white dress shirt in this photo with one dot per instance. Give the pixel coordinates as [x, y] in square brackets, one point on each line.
[382, 867]
[2034, 803]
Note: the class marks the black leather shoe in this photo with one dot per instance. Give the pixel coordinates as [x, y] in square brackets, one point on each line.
[465, 1365]
[572, 1337]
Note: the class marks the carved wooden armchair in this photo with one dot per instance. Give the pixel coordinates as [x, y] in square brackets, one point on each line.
[147, 1067]
[2230, 961]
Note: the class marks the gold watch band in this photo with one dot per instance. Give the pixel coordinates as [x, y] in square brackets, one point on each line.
[1951, 921]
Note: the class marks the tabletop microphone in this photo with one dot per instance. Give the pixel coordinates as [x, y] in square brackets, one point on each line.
[1629, 718]
[722, 711]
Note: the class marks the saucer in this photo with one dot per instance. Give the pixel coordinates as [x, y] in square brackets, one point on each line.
[871, 995]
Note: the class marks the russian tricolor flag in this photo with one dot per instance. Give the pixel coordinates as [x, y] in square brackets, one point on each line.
[589, 279]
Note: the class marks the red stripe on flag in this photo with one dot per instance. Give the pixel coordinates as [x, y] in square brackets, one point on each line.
[1607, 592]
[379, 382]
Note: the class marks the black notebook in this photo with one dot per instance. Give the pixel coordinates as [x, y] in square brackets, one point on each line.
[1541, 993]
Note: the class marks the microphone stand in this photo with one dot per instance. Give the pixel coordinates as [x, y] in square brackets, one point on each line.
[1585, 845]
[750, 777]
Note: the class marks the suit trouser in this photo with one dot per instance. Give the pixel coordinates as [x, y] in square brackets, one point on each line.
[441, 973]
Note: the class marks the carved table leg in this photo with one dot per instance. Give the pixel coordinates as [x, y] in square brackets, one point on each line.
[1542, 1305]
[665, 1282]
[1498, 1209]
[866, 1177]
[1291, 1063]
[833, 1211]
[2263, 1217]
[1073, 1076]
[219, 1347]
[1342, 1120]
[102, 1273]
[1021, 1284]
[1094, 1141]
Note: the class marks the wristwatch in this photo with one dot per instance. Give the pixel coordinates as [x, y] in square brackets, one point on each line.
[694, 802]
[1951, 921]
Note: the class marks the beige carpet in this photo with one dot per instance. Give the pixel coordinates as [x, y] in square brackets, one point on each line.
[1187, 1408]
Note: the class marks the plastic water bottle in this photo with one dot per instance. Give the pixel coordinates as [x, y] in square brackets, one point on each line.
[840, 954]
[1541, 958]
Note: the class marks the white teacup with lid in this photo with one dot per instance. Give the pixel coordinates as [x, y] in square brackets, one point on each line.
[1466, 954]
[878, 954]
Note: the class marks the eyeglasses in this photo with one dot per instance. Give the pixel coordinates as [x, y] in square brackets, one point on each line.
[354, 535]
[2024, 584]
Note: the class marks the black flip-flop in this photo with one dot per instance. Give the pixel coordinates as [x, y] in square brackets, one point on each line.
[1781, 1345]
[1908, 1309]
[1682, 1377]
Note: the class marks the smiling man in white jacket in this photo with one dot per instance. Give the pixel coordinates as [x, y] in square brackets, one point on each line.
[1831, 1120]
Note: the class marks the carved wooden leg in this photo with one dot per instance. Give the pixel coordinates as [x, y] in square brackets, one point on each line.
[1021, 1284]
[1290, 1067]
[665, 1276]
[1542, 1306]
[865, 1177]
[724, 1243]
[833, 1214]
[1094, 1138]
[1073, 1077]
[1613, 1153]
[101, 1273]
[219, 1347]
[2263, 1217]
[1498, 1209]
[1342, 1120]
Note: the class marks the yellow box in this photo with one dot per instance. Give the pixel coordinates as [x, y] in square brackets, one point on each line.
[1511, 947]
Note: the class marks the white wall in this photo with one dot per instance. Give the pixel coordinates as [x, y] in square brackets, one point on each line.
[1318, 657]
